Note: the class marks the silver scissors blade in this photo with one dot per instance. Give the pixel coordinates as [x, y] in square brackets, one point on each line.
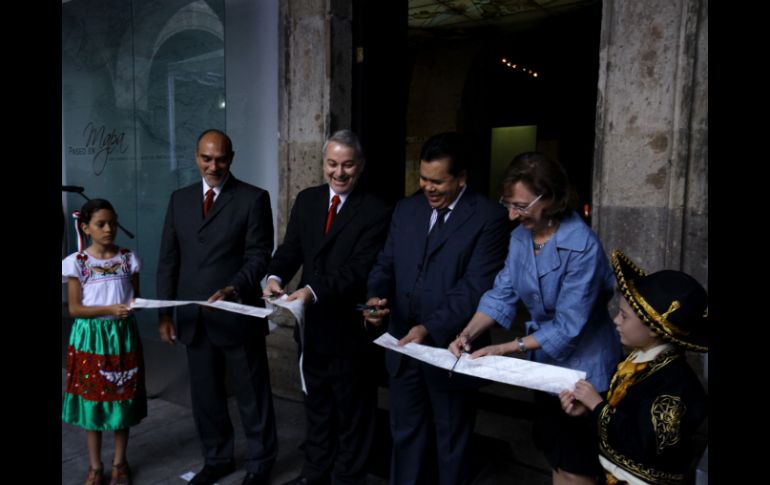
[455, 364]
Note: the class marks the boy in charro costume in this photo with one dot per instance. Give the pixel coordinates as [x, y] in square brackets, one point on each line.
[655, 402]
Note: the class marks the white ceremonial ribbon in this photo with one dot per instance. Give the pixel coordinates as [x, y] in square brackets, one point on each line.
[228, 306]
[288, 313]
[508, 370]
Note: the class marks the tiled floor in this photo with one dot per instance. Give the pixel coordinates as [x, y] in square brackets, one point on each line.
[165, 446]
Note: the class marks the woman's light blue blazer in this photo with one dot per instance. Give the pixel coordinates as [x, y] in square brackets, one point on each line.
[566, 289]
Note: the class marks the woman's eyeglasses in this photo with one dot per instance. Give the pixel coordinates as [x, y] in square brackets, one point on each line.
[518, 208]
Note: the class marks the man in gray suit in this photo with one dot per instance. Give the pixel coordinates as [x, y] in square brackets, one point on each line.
[216, 244]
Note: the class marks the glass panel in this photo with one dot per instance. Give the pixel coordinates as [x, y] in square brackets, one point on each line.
[140, 81]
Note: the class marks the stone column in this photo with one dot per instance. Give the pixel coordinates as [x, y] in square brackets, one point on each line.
[651, 153]
[314, 100]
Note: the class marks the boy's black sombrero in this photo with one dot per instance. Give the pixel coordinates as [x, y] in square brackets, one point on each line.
[672, 303]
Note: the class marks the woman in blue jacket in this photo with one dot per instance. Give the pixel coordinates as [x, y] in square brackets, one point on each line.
[557, 267]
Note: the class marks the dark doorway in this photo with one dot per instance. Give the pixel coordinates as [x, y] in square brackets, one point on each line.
[561, 101]
[539, 68]
[380, 83]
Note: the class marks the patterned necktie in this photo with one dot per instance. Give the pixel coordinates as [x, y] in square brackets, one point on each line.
[332, 213]
[208, 201]
[439, 222]
[624, 377]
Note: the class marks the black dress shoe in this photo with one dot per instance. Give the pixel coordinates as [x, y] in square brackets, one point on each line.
[252, 478]
[210, 474]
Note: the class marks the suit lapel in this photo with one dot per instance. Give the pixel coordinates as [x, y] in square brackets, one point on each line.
[318, 210]
[567, 236]
[422, 224]
[192, 196]
[548, 259]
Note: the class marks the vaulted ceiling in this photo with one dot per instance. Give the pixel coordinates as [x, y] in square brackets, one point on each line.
[462, 14]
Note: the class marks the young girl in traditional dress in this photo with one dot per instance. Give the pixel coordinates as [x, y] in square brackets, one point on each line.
[105, 369]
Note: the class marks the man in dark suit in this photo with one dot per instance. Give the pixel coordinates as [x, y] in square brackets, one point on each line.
[444, 248]
[216, 244]
[335, 232]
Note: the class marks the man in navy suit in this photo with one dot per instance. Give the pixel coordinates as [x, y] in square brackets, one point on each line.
[216, 244]
[335, 232]
[444, 248]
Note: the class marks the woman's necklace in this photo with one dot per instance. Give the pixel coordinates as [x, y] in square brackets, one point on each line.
[538, 246]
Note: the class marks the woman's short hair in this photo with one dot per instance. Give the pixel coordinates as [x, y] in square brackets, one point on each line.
[543, 175]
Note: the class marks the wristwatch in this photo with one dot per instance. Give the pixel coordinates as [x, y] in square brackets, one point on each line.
[520, 343]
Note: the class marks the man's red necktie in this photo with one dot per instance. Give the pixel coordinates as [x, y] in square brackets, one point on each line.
[332, 213]
[208, 201]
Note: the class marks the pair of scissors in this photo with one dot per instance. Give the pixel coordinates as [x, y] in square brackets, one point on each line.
[455, 364]
[361, 307]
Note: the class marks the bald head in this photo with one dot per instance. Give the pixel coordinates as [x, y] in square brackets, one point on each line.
[214, 156]
[213, 131]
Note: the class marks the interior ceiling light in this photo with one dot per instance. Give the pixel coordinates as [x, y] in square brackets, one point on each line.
[525, 70]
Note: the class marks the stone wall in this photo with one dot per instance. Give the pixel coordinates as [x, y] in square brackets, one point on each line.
[651, 149]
